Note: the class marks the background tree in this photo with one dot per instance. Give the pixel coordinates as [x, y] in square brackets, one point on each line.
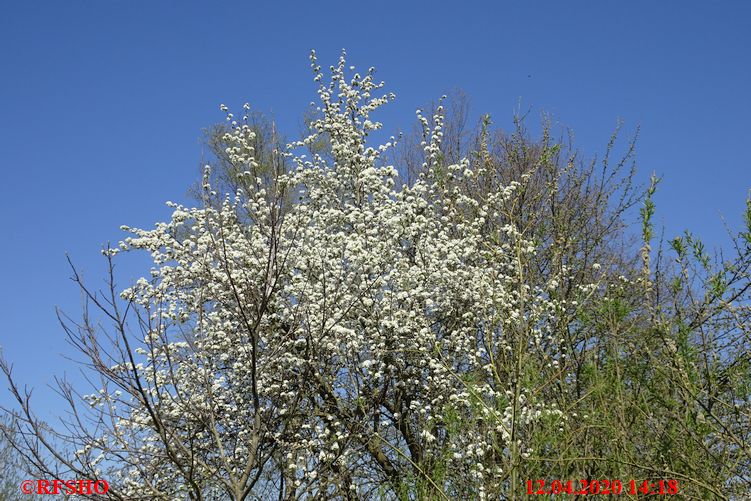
[10, 463]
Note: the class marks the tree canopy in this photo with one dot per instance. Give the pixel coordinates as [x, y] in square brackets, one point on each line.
[449, 316]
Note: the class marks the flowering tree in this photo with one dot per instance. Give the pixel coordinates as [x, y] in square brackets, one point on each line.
[328, 332]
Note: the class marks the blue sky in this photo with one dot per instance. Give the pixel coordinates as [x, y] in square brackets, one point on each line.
[102, 106]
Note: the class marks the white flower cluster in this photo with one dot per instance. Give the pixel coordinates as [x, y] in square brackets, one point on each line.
[365, 321]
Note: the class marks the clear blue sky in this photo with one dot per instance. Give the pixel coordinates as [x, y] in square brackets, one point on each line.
[102, 105]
